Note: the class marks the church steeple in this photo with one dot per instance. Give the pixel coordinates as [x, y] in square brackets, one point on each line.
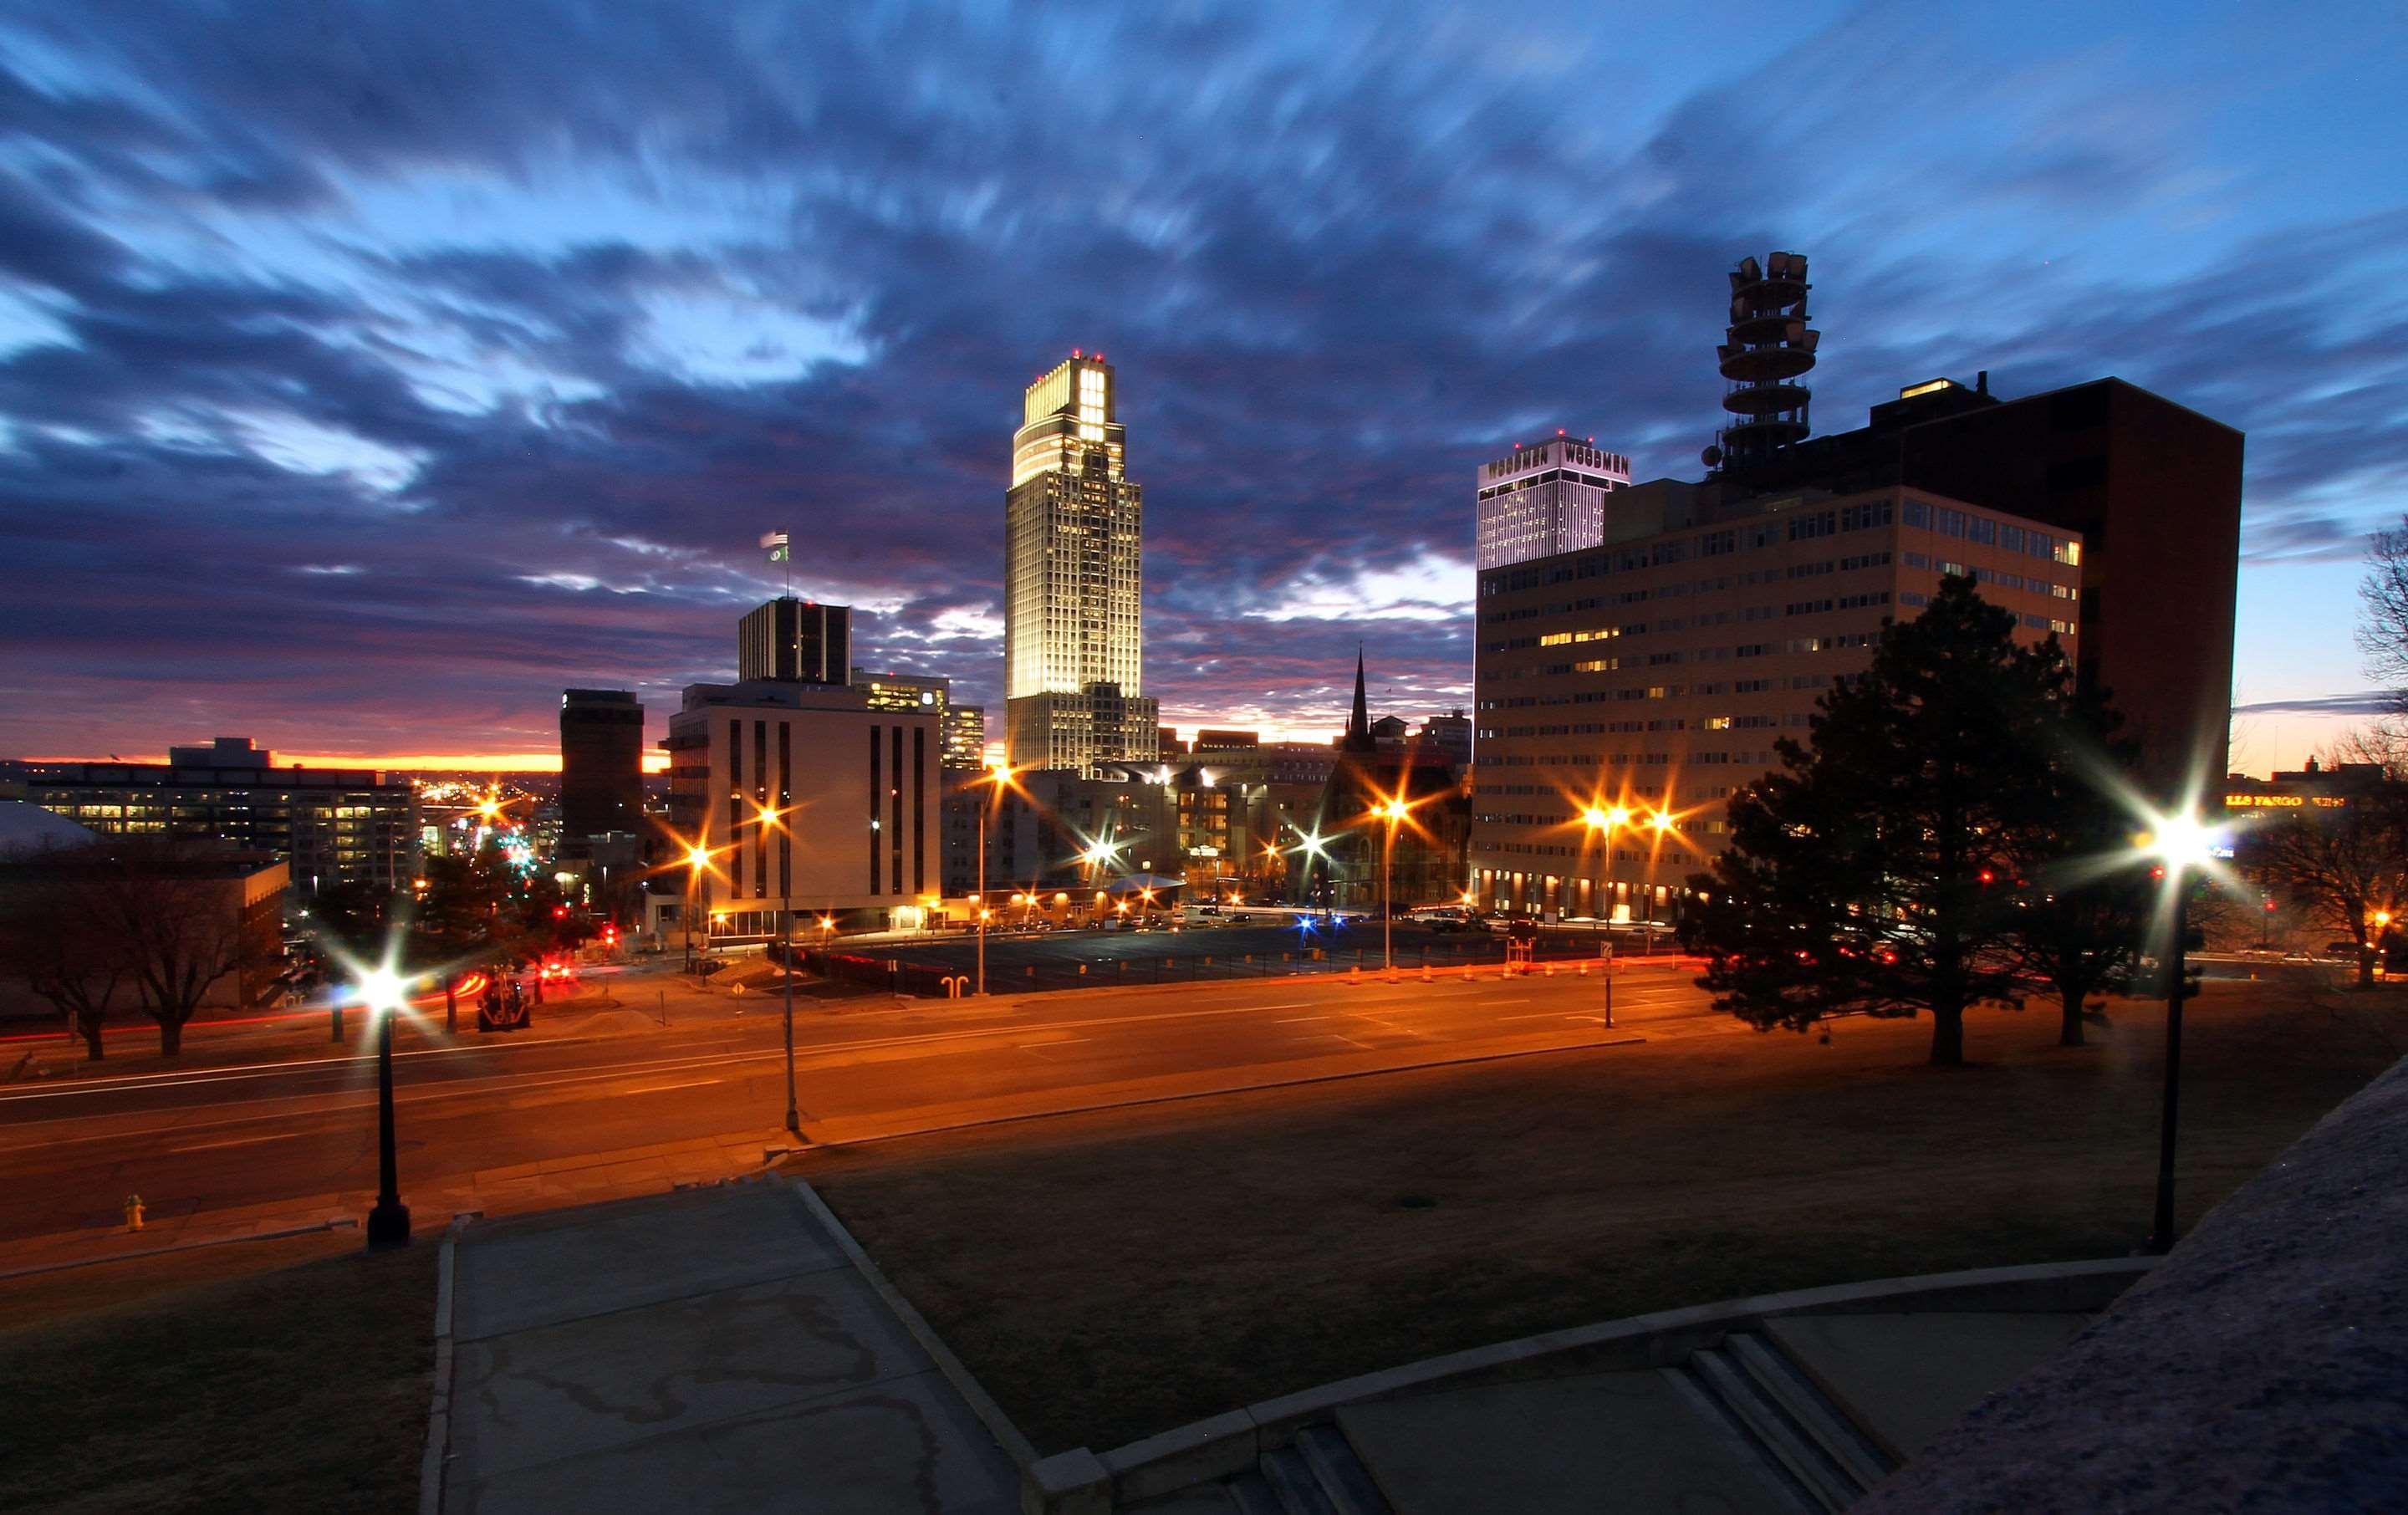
[1358, 725]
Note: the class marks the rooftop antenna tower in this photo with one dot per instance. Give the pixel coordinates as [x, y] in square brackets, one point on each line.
[1766, 347]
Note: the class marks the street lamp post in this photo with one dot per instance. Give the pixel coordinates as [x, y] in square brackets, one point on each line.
[382, 990]
[1390, 811]
[768, 822]
[982, 898]
[2181, 844]
[997, 779]
[697, 858]
[1099, 852]
[1606, 819]
[786, 947]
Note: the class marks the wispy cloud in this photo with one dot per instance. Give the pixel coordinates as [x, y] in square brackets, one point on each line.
[354, 379]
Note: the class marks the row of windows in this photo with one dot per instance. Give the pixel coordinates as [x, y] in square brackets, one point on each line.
[1594, 761]
[1595, 696]
[1796, 528]
[1702, 586]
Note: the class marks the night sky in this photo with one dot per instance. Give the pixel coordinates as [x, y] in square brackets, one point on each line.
[368, 373]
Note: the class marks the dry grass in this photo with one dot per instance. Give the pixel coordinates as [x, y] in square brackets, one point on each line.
[1110, 1275]
[270, 1375]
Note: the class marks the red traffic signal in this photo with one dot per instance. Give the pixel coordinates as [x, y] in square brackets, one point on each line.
[560, 912]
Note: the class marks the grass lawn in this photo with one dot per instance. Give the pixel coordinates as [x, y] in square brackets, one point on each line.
[1113, 1275]
[285, 1375]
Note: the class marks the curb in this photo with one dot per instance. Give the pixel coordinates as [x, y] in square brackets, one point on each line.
[438, 1413]
[339, 1224]
[998, 1425]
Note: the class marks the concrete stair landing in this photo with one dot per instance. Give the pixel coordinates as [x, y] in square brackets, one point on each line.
[1802, 1414]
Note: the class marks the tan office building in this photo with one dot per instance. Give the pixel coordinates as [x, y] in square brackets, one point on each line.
[1624, 691]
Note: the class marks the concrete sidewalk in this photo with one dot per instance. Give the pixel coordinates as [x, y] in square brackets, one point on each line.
[719, 1348]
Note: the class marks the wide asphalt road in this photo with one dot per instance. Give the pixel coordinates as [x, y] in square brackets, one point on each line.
[247, 1134]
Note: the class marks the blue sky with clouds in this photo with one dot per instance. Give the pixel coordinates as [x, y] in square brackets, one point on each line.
[367, 373]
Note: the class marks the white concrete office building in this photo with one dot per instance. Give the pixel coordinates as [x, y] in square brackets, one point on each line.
[1545, 497]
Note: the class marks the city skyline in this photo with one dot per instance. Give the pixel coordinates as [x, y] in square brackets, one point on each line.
[365, 429]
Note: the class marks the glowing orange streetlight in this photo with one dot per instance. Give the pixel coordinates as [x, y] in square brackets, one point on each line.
[1605, 818]
[767, 819]
[1392, 809]
[697, 858]
[997, 779]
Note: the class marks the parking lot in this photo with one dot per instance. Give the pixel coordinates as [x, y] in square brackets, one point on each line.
[1091, 958]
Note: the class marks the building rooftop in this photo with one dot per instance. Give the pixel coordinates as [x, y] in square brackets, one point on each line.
[26, 828]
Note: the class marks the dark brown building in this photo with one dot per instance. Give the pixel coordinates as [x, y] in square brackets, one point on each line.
[796, 641]
[2155, 491]
[601, 762]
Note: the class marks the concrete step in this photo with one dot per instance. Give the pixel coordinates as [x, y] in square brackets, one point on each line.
[1253, 1495]
[1824, 1421]
[1780, 1440]
[1345, 1482]
[1291, 1478]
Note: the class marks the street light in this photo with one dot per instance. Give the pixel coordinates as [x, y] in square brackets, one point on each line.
[1390, 810]
[1606, 819]
[697, 857]
[1000, 778]
[1097, 855]
[768, 820]
[384, 992]
[2180, 843]
[1315, 846]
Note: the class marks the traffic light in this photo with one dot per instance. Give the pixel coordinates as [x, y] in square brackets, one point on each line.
[560, 912]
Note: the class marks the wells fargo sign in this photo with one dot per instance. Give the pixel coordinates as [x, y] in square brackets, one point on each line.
[2282, 802]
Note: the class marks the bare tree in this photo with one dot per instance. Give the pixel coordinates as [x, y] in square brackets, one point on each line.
[2383, 622]
[52, 933]
[176, 915]
[2349, 868]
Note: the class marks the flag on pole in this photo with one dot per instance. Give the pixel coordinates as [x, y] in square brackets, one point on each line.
[776, 542]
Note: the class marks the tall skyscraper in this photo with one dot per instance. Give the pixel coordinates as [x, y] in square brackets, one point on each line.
[1072, 579]
[1544, 498]
[601, 762]
[794, 640]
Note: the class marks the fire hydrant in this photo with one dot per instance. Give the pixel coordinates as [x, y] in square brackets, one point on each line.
[133, 1212]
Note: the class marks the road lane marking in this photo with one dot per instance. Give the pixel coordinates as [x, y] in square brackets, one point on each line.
[664, 1087]
[1297, 1020]
[238, 1141]
[219, 1073]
